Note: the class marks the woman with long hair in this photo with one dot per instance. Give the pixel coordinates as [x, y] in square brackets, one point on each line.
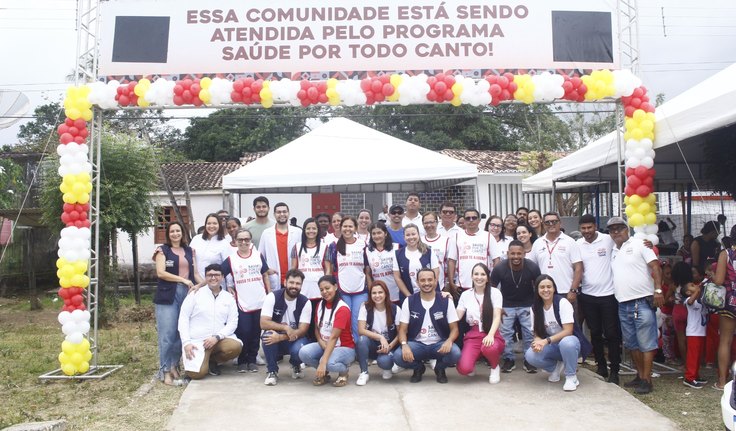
[212, 245]
[526, 235]
[334, 349]
[379, 260]
[555, 347]
[347, 263]
[410, 259]
[308, 256]
[507, 234]
[725, 275]
[335, 221]
[534, 220]
[175, 263]
[482, 307]
[494, 225]
[438, 243]
[364, 222]
[378, 332]
[232, 224]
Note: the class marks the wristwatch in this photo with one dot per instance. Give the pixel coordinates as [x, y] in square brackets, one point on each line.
[658, 291]
[218, 337]
[403, 343]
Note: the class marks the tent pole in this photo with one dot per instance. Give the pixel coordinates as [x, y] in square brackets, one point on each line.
[619, 159]
[554, 197]
[477, 193]
[689, 207]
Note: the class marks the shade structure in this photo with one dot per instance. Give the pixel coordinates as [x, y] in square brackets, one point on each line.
[682, 126]
[342, 156]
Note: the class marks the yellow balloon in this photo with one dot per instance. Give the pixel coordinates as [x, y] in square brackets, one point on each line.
[629, 210]
[650, 218]
[643, 208]
[331, 93]
[396, 80]
[637, 134]
[143, 102]
[83, 198]
[83, 367]
[69, 369]
[636, 219]
[205, 95]
[205, 83]
[87, 115]
[67, 347]
[331, 83]
[63, 358]
[639, 115]
[69, 198]
[651, 198]
[635, 200]
[457, 88]
[84, 345]
[73, 113]
[87, 355]
[266, 103]
[456, 101]
[60, 262]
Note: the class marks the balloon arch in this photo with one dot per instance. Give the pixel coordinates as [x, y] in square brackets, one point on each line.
[404, 89]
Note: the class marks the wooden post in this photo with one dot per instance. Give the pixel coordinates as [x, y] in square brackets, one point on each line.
[31, 270]
[136, 272]
[192, 228]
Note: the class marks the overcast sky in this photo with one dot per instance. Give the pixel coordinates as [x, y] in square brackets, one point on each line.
[682, 42]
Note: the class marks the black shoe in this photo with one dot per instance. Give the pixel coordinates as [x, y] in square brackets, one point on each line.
[418, 372]
[602, 370]
[441, 376]
[529, 368]
[633, 383]
[508, 365]
[613, 378]
[644, 387]
[214, 369]
[695, 384]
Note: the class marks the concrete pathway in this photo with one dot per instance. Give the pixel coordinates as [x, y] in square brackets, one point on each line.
[520, 401]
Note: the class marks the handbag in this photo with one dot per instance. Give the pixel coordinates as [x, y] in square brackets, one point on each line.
[713, 296]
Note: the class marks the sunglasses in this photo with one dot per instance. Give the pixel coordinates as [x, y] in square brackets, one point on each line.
[551, 222]
[397, 212]
[448, 212]
[471, 218]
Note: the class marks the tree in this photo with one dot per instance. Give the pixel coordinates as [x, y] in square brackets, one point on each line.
[12, 186]
[34, 135]
[228, 133]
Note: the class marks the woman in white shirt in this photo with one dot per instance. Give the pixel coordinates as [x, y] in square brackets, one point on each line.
[555, 347]
[308, 256]
[526, 235]
[410, 259]
[482, 307]
[379, 260]
[364, 221]
[212, 245]
[378, 332]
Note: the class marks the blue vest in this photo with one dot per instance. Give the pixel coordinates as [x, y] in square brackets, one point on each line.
[403, 262]
[166, 290]
[279, 307]
[392, 329]
[438, 316]
[585, 346]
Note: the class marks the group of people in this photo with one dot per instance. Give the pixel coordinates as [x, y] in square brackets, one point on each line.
[411, 291]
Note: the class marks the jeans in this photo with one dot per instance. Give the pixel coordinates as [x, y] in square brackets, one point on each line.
[601, 315]
[473, 348]
[423, 352]
[366, 349]
[338, 362]
[248, 331]
[354, 302]
[524, 316]
[291, 348]
[567, 351]
[167, 326]
[638, 325]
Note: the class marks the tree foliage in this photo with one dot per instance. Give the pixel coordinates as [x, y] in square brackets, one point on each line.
[12, 186]
[34, 135]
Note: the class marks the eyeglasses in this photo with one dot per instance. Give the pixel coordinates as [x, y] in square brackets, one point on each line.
[495, 225]
[551, 222]
[430, 222]
[397, 212]
[243, 240]
[617, 229]
[470, 218]
[213, 275]
[448, 212]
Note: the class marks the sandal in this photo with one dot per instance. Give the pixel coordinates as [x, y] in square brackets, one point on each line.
[168, 379]
[319, 381]
[717, 387]
[341, 381]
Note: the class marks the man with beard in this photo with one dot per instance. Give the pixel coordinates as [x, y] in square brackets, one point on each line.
[276, 244]
[285, 319]
[515, 277]
[521, 215]
[261, 222]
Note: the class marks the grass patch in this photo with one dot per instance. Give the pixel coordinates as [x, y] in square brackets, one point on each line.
[30, 342]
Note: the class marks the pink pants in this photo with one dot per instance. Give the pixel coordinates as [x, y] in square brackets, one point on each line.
[473, 347]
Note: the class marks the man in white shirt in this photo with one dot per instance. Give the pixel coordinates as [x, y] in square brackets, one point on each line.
[412, 214]
[285, 319]
[596, 299]
[467, 248]
[448, 215]
[558, 256]
[207, 322]
[637, 278]
[276, 244]
[427, 330]
[261, 222]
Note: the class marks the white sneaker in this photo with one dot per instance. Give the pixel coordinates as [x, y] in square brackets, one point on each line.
[296, 372]
[471, 374]
[363, 378]
[387, 374]
[271, 379]
[495, 375]
[555, 376]
[432, 363]
[397, 369]
[571, 383]
[260, 360]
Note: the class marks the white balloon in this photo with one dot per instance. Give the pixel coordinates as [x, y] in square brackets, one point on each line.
[77, 315]
[647, 162]
[87, 315]
[640, 235]
[651, 229]
[646, 143]
[64, 317]
[653, 238]
[639, 229]
[639, 153]
[83, 327]
[69, 328]
[75, 337]
[633, 162]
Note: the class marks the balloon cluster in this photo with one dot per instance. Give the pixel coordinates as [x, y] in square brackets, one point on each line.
[285, 91]
[501, 87]
[76, 188]
[380, 88]
[74, 244]
[72, 274]
[548, 87]
[105, 95]
[525, 88]
[126, 94]
[72, 131]
[77, 104]
[160, 93]
[599, 85]
[574, 89]
[75, 356]
[220, 91]
[442, 88]
[247, 91]
[349, 92]
[73, 298]
[186, 92]
[413, 89]
[75, 215]
[474, 93]
[312, 93]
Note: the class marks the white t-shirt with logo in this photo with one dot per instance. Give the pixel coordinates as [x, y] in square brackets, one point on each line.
[695, 313]
[350, 274]
[566, 316]
[472, 304]
[415, 265]
[381, 263]
[379, 325]
[439, 247]
[470, 249]
[288, 318]
[632, 278]
[597, 274]
[311, 263]
[428, 334]
[556, 259]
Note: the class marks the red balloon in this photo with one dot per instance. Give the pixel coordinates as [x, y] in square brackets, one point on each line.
[643, 190]
[503, 81]
[509, 76]
[648, 181]
[123, 100]
[248, 81]
[236, 97]
[431, 81]
[178, 89]
[365, 84]
[195, 88]
[492, 79]
[377, 86]
[301, 94]
[64, 293]
[369, 99]
[629, 191]
[629, 111]
[388, 89]
[305, 84]
[65, 218]
[196, 101]
[313, 94]
[79, 123]
[63, 128]
[512, 87]
[449, 95]
[638, 92]
[495, 90]
[247, 92]
[432, 96]
[187, 96]
[178, 100]
[257, 86]
[79, 140]
[322, 98]
[640, 171]
[633, 181]
[66, 138]
[440, 77]
[440, 87]
[629, 172]
[635, 102]
[379, 97]
[77, 300]
[321, 86]
[576, 81]
[567, 86]
[306, 102]
[83, 132]
[186, 83]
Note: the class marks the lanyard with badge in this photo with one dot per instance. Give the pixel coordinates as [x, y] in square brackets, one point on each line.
[550, 251]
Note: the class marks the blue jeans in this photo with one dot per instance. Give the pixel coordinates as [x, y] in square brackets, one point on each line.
[167, 326]
[338, 362]
[366, 349]
[423, 352]
[354, 302]
[291, 348]
[567, 351]
[524, 316]
[249, 332]
[638, 325]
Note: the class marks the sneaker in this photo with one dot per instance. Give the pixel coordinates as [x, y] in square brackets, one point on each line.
[704, 382]
[214, 369]
[602, 370]
[416, 377]
[242, 368]
[387, 374]
[260, 361]
[251, 367]
[613, 378]
[296, 372]
[695, 384]
[441, 375]
[571, 383]
[471, 374]
[508, 365]
[495, 375]
[432, 363]
[554, 377]
[529, 368]
[644, 387]
[633, 383]
[395, 369]
[363, 378]
[271, 379]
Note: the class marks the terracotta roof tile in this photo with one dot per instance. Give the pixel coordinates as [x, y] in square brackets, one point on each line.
[203, 175]
[493, 161]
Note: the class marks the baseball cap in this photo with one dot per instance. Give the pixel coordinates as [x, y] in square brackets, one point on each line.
[396, 208]
[616, 220]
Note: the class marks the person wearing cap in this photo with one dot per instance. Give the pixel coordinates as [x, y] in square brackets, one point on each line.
[395, 226]
[636, 280]
[597, 300]
[412, 215]
[558, 256]
[706, 245]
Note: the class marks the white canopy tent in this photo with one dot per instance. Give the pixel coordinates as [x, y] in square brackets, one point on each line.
[346, 157]
[681, 128]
